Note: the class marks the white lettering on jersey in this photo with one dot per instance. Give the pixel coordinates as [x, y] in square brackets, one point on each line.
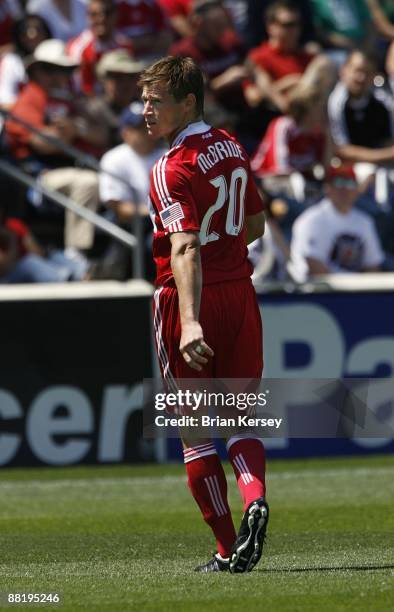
[218, 151]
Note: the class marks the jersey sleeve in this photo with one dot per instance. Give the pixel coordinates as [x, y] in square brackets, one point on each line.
[172, 197]
[336, 116]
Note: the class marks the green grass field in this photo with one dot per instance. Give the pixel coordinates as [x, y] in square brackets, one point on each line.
[127, 538]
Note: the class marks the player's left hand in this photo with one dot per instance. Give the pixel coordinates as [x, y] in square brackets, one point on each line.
[193, 346]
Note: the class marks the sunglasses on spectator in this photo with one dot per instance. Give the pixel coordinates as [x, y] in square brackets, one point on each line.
[287, 24]
[343, 183]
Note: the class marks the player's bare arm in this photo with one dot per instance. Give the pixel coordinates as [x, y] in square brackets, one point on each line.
[186, 268]
[356, 153]
[126, 210]
[255, 226]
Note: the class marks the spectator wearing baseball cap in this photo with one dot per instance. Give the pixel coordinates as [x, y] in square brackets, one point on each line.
[332, 236]
[124, 179]
[131, 162]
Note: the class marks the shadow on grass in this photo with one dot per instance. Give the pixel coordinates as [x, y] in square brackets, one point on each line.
[337, 568]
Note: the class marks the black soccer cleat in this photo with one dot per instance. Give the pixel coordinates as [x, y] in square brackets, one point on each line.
[216, 564]
[248, 546]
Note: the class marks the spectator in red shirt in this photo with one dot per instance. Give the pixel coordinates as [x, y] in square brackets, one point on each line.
[178, 12]
[216, 48]
[101, 37]
[46, 103]
[144, 22]
[281, 63]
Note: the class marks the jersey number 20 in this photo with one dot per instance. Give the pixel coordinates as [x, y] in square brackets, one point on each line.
[235, 196]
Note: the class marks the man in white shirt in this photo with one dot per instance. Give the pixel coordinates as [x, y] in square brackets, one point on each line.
[332, 236]
[124, 177]
[124, 188]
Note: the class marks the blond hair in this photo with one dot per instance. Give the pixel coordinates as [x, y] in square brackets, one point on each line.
[300, 102]
[181, 75]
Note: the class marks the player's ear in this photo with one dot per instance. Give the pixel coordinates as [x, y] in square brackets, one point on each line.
[190, 101]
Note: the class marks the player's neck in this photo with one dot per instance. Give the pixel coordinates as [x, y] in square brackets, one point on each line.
[171, 137]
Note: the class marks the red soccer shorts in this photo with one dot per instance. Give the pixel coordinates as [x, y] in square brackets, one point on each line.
[231, 322]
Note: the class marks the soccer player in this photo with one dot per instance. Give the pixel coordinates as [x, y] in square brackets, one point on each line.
[205, 209]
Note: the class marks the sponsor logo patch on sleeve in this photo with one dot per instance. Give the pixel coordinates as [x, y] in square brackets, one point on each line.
[171, 214]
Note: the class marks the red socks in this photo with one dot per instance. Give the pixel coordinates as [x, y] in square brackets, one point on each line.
[208, 485]
[247, 456]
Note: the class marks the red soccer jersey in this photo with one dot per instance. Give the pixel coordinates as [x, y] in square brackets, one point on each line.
[287, 147]
[204, 184]
[87, 50]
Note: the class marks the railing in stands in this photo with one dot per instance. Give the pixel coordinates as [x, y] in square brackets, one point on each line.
[133, 241]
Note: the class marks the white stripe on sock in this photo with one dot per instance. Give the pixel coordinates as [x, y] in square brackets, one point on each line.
[215, 492]
[240, 469]
[213, 500]
[199, 447]
[219, 493]
[195, 456]
[247, 470]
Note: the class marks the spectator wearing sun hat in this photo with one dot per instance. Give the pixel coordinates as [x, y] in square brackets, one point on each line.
[118, 73]
[46, 103]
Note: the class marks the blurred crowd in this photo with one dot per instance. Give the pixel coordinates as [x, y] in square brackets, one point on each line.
[307, 87]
